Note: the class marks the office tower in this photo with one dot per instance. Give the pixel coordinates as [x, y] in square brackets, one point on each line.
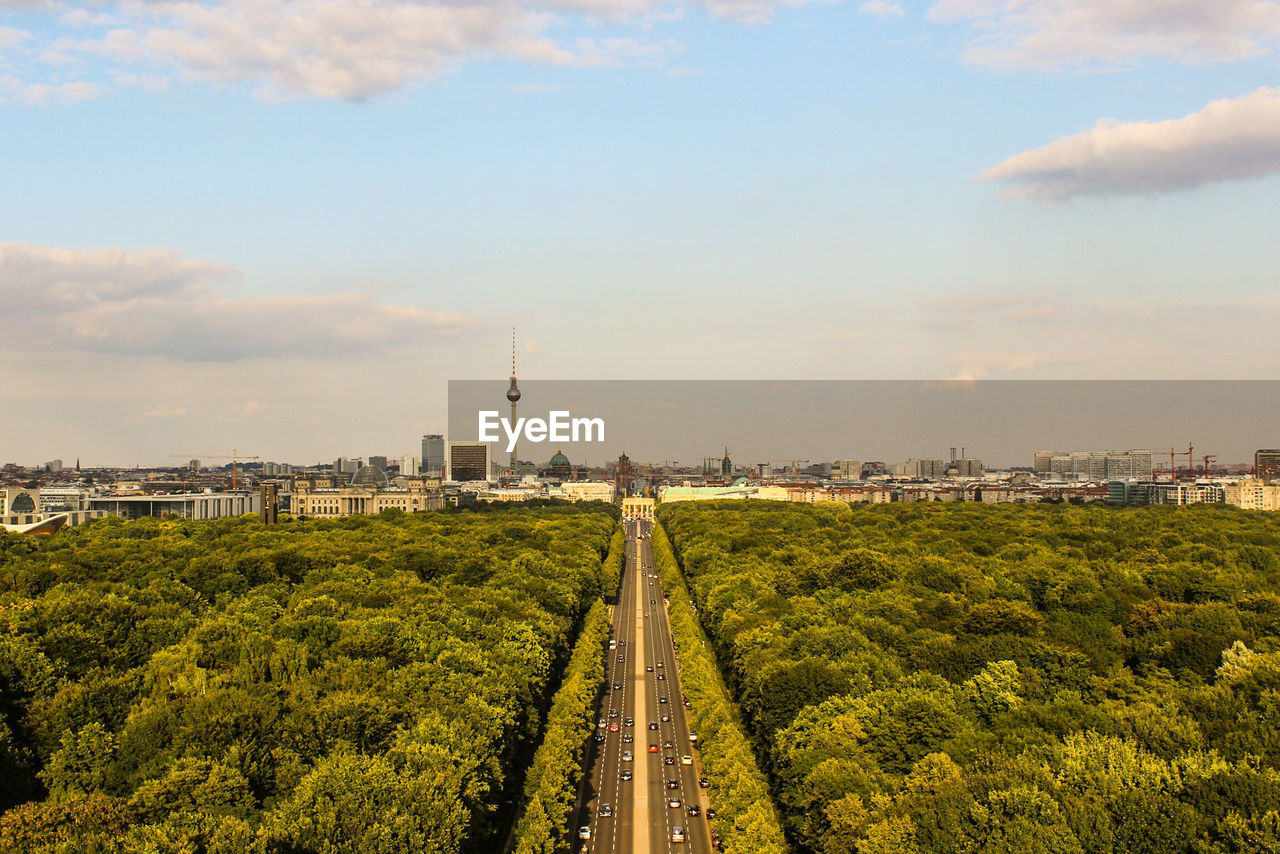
[468, 461]
[433, 454]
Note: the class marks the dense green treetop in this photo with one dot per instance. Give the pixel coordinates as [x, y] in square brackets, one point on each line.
[970, 678]
[353, 685]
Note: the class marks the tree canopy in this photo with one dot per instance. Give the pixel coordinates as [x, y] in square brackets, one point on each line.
[366, 684]
[970, 678]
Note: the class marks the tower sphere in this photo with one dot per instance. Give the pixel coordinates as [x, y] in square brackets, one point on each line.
[513, 393]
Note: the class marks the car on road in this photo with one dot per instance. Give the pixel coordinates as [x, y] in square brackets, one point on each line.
[662, 677]
[693, 809]
[613, 727]
[626, 756]
[711, 813]
[617, 686]
[663, 699]
[649, 669]
[627, 738]
[603, 723]
[622, 658]
[584, 832]
[630, 722]
[606, 810]
[677, 834]
[658, 664]
[626, 774]
[673, 784]
[668, 760]
[653, 748]
[599, 737]
[704, 783]
[666, 719]
[693, 737]
[613, 713]
[652, 724]
[686, 760]
[673, 802]
[667, 745]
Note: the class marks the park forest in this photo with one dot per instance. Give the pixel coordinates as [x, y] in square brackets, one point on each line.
[956, 679]
[367, 685]
[894, 679]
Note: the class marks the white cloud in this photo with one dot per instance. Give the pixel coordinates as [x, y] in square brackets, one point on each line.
[113, 301]
[1229, 139]
[881, 9]
[1052, 34]
[345, 49]
[15, 91]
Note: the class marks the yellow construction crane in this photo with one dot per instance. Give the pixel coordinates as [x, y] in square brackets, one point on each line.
[234, 455]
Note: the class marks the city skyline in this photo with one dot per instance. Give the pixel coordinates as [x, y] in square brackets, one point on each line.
[233, 221]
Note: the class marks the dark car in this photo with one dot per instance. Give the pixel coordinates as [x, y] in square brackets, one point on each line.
[673, 784]
[693, 809]
[704, 783]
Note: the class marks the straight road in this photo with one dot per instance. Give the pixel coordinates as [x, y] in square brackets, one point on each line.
[636, 815]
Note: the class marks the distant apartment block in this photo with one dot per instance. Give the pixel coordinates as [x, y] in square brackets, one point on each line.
[1097, 466]
[846, 470]
[1252, 495]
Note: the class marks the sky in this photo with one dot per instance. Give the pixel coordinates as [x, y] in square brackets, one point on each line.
[284, 225]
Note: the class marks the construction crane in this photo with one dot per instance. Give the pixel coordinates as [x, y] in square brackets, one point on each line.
[1191, 461]
[234, 455]
[1208, 458]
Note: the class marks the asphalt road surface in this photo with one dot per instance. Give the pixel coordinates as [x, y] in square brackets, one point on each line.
[642, 684]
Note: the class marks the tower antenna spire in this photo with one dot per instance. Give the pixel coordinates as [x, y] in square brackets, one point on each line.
[513, 395]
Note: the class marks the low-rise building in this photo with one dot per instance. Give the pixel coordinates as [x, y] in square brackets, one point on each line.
[321, 496]
[182, 505]
[1252, 494]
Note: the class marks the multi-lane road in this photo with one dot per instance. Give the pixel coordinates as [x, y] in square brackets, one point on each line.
[644, 791]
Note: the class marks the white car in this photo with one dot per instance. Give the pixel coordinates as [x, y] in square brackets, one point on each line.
[677, 834]
[626, 756]
[584, 832]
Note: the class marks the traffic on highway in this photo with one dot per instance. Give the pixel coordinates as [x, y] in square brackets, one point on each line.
[644, 790]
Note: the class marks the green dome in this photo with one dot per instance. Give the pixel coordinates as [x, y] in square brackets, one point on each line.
[558, 460]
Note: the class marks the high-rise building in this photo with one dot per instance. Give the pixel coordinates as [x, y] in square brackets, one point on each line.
[1266, 464]
[380, 462]
[1044, 461]
[409, 466]
[467, 461]
[433, 454]
[846, 470]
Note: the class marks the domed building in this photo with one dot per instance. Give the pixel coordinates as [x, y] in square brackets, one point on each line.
[371, 476]
[558, 467]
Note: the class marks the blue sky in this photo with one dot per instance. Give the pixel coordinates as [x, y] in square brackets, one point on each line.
[286, 223]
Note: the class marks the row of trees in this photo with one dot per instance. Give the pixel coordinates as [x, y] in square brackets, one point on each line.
[367, 684]
[551, 786]
[746, 817]
[963, 678]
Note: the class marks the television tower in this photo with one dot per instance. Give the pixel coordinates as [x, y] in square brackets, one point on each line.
[513, 395]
